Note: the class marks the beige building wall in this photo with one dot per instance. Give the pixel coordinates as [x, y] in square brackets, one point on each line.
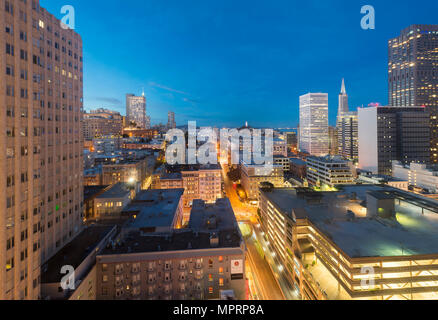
[41, 138]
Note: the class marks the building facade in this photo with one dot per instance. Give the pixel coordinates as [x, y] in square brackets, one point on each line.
[198, 262]
[202, 182]
[41, 164]
[253, 175]
[333, 141]
[136, 110]
[392, 133]
[102, 122]
[330, 171]
[322, 240]
[348, 138]
[412, 73]
[418, 175]
[314, 124]
[126, 171]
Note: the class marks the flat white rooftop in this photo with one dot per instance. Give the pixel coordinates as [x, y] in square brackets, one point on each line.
[414, 231]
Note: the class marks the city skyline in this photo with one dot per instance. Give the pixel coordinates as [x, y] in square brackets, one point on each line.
[320, 194]
[222, 62]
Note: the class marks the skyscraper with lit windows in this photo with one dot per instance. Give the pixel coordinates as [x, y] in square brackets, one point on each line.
[413, 67]
[413, 74]
[314, 131]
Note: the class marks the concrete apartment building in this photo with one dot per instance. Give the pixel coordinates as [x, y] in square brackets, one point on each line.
[279, 147]
[136, 110]
[253, 175]
[127, 171]
[202, 182]
[110, 203]
[392, 133]
[282, 161]
[199, 262]
[363, 242]
[329, 171]
[412, 71]
[418, 175]
[107, 145]
[102, 122]
[41, 138]
[314, 132]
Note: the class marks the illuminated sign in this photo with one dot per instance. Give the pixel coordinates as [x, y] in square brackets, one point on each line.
[236, 267]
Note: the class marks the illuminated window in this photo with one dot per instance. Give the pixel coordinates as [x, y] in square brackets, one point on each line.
[210, 290]
[210, 277]
[221, 270]
[221, 282]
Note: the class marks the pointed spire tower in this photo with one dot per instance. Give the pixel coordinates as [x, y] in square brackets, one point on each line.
[343, 101]
[343, 91]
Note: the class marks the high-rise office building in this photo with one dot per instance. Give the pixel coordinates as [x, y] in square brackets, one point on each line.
[136, 110]
[346, 125]
[412, 68]
[413, 73]
[333, 141]
[348, 136]
[392, 133]
[292, 140]
[343, 102]
[171, 124]
[42, 161]
[314, 132]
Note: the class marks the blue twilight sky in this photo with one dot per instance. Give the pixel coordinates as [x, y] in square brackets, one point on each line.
[224, 62]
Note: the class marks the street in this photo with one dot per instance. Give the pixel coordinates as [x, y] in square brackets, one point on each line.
[263, 284]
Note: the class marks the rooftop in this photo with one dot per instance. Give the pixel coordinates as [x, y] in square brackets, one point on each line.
[179, 240]
[91, 191]
[414, 230]
[154, 208]
[211, 226]
[212, 216]
[191, 167]
[74, 253]
[118, 190]
[328, 159]
[298, 161]
[171, 176]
